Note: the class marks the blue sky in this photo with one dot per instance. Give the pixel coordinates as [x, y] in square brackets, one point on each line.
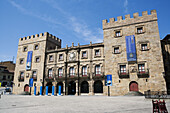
[70, 20]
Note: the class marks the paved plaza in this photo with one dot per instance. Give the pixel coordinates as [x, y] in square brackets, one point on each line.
[71, 104]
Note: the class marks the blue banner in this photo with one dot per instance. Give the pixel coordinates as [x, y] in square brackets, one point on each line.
[109, 80]
[29, 60]
[31, 82]
[130, 48]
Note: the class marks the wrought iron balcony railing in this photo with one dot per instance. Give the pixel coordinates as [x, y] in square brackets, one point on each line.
[143, 73]
[123, 74]
[20, 78]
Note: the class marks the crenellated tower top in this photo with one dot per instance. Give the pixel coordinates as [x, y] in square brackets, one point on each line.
[128, 21]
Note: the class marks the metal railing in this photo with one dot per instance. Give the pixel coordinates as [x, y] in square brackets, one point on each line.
[143, 74]
[157, 94]
[123, 74]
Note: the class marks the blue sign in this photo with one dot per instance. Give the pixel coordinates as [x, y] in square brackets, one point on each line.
[109, 80]
[130, 48]
[31, 82]
[29, 60]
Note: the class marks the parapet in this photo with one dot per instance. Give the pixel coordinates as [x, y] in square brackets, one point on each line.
[128, 20]
[46, 34]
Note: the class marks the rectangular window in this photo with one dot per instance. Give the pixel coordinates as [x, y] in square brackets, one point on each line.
[50, 73]
[84, 71]
[21, 61]
[97, 70]
[4, 77]
[22, 75]
[37, 59]
[34, 74]
[60, 56]
[84, 54]
[140, 30]
[60, 72]
[8, 76]
[25, 49]
[144, 47]
[36, 47]
[141, 68]
[123, 69]
[72, 73]
[117, 33]
[97, 52]
[51, 58]
[116, 50]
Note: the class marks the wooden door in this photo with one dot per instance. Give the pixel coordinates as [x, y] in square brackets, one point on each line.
[134, 86]
[26, 88]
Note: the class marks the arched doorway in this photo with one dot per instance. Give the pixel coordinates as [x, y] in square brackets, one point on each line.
[98, 86]
[84, 87]
[57, 87]
[133, 86]
[26, 88]
[72, 88]
[49, 84]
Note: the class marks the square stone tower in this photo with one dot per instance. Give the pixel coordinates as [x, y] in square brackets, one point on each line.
[133, 54]
[30, 60]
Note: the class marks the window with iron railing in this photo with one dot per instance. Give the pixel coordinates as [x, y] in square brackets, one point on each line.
[140, 30]
[141, 68]
[84, 71]
[144, 47]
[60, 72]
[97, 70]
[72, 71]
[34, 74]
[50, 73]
[123, 69]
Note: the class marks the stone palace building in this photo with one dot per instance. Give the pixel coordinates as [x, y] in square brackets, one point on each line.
[131, 53]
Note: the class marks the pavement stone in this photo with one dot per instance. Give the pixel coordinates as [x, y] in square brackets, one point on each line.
[72, 104]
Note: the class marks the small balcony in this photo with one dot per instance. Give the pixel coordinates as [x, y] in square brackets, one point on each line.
[34, 77]
[60, 77]
[72, 76]
[49, 77]
[143, 73]
[20, 78]
[123, 74]
[98, 74]
[84, 75]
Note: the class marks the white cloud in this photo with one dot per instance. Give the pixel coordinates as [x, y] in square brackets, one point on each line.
[80, 28]
[43, 17]
[126, 6]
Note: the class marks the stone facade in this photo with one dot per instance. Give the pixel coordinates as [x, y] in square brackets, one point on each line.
[81, 69]
[165, 43]
[148, 51]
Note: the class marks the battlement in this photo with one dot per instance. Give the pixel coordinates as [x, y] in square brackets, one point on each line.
[128, 20]
[46, 34]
